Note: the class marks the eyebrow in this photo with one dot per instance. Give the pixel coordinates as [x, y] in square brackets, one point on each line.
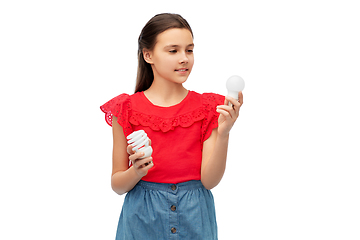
[175, 46]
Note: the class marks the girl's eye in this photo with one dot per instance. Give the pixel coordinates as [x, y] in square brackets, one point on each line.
[175, 51]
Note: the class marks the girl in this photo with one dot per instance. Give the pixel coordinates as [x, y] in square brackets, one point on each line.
[168, 193]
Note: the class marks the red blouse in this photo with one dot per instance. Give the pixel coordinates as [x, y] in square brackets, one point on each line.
[177, 132]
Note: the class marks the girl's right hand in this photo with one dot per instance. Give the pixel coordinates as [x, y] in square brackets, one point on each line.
[141, 166]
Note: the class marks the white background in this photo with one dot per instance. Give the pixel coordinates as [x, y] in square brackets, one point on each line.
[293, 165]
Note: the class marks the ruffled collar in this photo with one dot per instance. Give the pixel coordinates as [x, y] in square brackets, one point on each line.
[182, 102]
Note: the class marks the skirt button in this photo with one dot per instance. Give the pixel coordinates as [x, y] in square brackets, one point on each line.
[173, 230]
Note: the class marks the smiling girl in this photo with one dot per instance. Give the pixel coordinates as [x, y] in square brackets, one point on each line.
[168, 194]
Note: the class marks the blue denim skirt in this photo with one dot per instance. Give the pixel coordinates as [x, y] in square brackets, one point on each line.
[157, 211]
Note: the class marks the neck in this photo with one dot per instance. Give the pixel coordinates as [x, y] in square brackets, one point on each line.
[165, 93]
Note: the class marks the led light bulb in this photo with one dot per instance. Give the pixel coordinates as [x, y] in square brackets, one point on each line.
[140, 142]
[234, 85]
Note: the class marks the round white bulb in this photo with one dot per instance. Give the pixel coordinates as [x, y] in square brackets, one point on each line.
[234, 85]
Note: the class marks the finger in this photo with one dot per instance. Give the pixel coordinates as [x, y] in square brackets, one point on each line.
[241, 98]
[135, 156]
[231, 109]
[232, 100]
[239, 103]
[236, 104]
[147, 162]
[225, 108]
[129, 149]
[223, 112]
[227, 102]
[148, 166]
[144, 170]
[141, 163]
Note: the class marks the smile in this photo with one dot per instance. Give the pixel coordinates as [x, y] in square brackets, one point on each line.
[182, 70]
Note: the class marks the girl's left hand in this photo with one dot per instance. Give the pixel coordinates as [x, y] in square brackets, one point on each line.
[228, 114]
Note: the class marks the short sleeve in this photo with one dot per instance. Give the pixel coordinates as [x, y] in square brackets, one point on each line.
[210, 101]
[119, 107]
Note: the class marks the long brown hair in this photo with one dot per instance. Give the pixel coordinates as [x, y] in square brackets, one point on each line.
[147, 39]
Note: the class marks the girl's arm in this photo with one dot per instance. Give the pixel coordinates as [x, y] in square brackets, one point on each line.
[213, 159]
[124, 178]
[215, 147]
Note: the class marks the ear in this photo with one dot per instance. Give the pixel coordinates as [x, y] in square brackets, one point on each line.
[147, 56]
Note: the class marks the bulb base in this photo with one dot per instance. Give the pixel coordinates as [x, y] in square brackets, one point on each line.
[233, 94]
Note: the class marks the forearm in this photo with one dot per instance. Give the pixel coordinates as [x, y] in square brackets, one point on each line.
[123, 181]
[213, 171]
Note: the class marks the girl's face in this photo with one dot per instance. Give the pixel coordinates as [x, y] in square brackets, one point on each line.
[172, 58]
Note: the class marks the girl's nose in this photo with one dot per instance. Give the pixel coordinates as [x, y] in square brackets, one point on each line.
[184, 58]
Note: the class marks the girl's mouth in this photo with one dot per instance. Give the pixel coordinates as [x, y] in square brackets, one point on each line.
[182, 70]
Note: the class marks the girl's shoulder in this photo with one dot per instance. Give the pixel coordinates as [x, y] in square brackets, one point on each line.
[119, 102]
[207, 112]
[212, 98]
[118, 106]
[207, 101]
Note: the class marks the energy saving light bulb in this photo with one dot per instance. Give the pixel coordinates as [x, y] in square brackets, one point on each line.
[234, 85]
[140, 142]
